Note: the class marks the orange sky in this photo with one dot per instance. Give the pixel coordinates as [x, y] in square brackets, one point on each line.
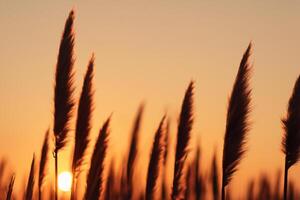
[149, 51]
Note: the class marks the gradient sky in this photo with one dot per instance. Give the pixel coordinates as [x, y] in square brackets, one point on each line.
[149, 51]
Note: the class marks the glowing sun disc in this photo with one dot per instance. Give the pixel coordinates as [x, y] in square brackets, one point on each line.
[65, 181]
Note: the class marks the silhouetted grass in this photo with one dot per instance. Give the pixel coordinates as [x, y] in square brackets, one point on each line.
[63, 90]
[155, 161]
[291, 137]
[183, 137]
[95, 176]
[237, 124]
[83, 125]
[30, 183]
[133, 149]
[190, 180]
[10, 188]
[164, 186]
[43, 163]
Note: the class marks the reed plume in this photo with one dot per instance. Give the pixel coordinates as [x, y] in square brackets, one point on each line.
[95, 175]
[133, 151]
[155, 161]
[291, 137]
[183, 137]
[83, 124]
[30, 183]
[43, 163]
[164, 187]
[63, 90]
[10, 188]
[215, 178]
[237, 125]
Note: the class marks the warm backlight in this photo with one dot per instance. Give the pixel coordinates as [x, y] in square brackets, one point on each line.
[65, 181]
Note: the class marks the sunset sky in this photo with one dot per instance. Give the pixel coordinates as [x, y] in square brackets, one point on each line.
[148, 51]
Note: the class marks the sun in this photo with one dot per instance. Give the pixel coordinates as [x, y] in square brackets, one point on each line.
[65, 181]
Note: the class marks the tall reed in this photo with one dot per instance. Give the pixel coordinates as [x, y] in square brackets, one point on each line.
[10, 188]
[164, 187]
[237, 125]
[43, 163]
[30, 183]
[183, 137]
[291, 137]
[155, 161]
[95, 175]
[83, 125]
[132, 154]
[63, 91]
